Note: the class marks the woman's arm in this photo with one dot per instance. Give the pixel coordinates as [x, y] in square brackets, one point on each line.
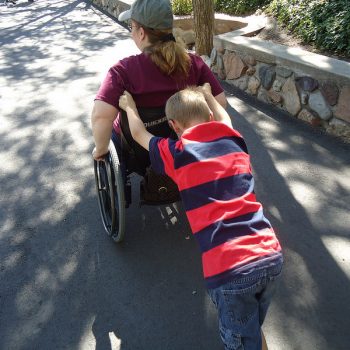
[221, 98]
[102, 117]
[216, 107]
[207, 76]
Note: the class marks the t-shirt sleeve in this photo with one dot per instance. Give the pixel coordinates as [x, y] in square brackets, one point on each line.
[113, 85]
[161, 157]
[207, 76]
[157, 162]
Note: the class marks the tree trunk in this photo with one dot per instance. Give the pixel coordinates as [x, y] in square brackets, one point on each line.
[203, 11]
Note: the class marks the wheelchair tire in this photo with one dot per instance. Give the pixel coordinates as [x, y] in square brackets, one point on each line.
[110, 194]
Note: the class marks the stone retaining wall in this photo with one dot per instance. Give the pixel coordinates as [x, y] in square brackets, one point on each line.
[310, 87]
[323, 100]
[113, 7]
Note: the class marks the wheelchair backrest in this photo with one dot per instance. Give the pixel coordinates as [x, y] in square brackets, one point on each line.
[154, 120]
[156, 123]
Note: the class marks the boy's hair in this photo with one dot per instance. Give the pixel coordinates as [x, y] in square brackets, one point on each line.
[187, 105]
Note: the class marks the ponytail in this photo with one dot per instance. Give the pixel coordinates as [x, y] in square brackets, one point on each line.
[168, 55]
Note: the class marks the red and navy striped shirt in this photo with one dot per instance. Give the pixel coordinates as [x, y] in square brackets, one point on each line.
[211, 166]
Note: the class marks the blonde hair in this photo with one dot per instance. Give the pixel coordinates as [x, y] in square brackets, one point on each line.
[170, 57]
[186, 106]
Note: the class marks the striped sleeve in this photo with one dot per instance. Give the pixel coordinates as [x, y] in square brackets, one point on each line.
[161, 155]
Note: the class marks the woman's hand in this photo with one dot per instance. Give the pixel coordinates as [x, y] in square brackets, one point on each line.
[99, 155]
[126, 101]
[206, 88]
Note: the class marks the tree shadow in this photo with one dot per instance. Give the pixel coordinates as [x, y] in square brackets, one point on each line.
[61, 276]
[64, 284]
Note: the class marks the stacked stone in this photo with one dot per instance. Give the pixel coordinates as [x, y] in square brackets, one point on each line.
[320, 103]
[113, 7]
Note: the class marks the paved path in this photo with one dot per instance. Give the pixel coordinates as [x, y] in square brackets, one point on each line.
[64, 285]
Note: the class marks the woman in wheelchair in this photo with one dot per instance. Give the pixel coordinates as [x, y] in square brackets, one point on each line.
[162, 68]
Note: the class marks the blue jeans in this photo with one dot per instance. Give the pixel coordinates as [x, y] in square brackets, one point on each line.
[242, 306]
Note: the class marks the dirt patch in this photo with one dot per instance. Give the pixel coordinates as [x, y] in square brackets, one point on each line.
[277, 34]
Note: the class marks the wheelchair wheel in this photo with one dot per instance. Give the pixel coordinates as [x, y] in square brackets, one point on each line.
[110, 193]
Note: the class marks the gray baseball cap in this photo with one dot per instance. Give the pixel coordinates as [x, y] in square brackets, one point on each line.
[155, 14]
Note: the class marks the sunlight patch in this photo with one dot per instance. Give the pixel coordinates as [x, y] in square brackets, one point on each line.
[34, 323]
[87, 340]
[12, 260]
[306, 295]
[115, 342]
[45, 279]
[339, 248]
[274, 211]
[280, 145]
[68, 269]
[7, 227]
[306, 195]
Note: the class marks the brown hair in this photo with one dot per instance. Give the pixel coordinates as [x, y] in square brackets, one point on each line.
[169, 56]
[187, 105]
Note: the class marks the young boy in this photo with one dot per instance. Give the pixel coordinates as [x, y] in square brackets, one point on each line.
[241, 255]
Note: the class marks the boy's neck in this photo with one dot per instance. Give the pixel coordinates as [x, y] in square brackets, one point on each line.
[191, 124]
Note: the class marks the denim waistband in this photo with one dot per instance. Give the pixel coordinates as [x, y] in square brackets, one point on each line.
[270, 265]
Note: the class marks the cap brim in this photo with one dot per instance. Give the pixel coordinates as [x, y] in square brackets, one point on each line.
[124, 16]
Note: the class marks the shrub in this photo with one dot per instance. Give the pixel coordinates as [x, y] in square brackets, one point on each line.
[230, 7]
[239, 7]
[182, 7]
[324, 23]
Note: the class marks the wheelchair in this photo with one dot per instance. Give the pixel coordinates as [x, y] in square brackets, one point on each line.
[125, 157]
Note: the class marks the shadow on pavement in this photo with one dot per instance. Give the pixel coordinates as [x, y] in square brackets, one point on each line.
[64, 285]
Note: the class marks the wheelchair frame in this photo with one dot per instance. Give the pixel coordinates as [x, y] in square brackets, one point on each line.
[110, 194]
[113, 187]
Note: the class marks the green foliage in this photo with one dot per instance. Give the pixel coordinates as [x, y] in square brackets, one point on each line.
[182, 7]
[239, 7]
[230, 7]
[324, 23]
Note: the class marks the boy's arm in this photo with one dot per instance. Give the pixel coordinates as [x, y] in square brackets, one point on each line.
[219, 112]
[137, 128]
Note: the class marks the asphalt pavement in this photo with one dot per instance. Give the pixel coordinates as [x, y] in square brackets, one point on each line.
[65, 285]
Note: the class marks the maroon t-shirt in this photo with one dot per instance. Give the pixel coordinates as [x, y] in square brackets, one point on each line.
[148, 85]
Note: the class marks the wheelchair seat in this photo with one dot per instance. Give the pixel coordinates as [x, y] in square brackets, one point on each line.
[155, 189]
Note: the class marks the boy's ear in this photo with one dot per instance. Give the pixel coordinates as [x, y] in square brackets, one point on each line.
[174, 125]
[211, 116]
